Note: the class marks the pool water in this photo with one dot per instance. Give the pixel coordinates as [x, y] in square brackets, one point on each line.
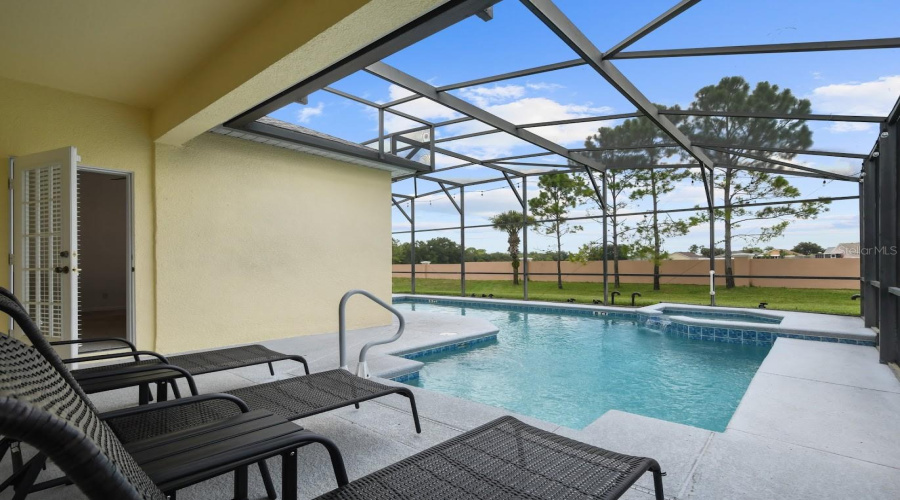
[570, 370]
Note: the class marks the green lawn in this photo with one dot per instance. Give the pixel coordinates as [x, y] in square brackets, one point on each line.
[788, 299]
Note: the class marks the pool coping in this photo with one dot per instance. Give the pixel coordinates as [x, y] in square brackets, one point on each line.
[794, 325]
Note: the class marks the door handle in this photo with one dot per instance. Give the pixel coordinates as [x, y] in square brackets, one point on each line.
[61, 270]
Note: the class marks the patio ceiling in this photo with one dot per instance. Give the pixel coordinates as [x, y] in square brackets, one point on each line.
[138, 50]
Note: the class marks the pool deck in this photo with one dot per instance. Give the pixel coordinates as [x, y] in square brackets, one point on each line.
[818, 421]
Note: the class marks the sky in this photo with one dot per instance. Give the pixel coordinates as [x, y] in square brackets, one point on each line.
[843, 82]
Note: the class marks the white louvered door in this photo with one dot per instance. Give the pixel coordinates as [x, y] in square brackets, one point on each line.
[45, 242]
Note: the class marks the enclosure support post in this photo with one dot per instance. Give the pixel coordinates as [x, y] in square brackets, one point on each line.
[862, 241]
[525, 237]
[605, 246]
[412, 245]
[712, 237]
[869, 219]
[462, 240]
[887, 230]
[381, 130]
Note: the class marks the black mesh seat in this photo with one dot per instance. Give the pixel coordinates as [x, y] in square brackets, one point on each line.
[43, 406]
[197, 363]
[159, 369]
[505, 459]
[293, 399]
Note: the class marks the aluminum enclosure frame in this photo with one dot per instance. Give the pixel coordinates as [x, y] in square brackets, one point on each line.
[880, 284]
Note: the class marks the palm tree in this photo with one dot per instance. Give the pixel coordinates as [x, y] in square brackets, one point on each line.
[512, 222]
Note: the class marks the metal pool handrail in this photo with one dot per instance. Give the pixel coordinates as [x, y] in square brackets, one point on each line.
[362, 369]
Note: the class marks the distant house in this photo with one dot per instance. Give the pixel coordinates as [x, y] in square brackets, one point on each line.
[841, 251]
[779, 253]
[739, 255]
[685, 256]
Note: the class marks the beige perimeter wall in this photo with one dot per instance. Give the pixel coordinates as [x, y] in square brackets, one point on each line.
[742, 267]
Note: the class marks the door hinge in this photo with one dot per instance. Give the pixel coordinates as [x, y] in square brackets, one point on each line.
[11, 259]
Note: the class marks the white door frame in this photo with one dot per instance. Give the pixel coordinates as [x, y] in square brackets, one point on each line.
[129, 242]
[129, 235]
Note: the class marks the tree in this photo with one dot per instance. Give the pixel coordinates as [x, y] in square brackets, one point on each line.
[593, 251]
[704, 251]
[438, 251]
[399, 252]
[808, 248]
[511, 222]
[559, 194]
[652, 182]
[618, 181]
[742, 135]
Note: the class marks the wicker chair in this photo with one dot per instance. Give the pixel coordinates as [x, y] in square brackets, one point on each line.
[42, 407]
[504, 460]
[158, 369]
[291, 399]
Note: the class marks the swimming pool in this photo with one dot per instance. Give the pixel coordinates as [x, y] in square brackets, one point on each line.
[570, 369]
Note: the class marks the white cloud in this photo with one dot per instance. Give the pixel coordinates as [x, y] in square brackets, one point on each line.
[510, 102]
[484, 96]
[857, 98]
[544, 86]
[308, 112]
[843, 127]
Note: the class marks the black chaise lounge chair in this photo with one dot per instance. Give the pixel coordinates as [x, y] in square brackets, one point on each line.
[505, 459]
[159, 369]
[292, 399]
[43, 408]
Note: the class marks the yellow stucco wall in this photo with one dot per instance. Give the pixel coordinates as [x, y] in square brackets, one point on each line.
[107, 135]
[235, 241]
[256, 242]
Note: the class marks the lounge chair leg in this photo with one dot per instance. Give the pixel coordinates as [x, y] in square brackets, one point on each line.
[240, 483]
[162, 391]
[20, 473]
[267, 480]
[657, 482]
[4, 447]
[289, 475]
[301, 359]
[271, 369]
[143, 394]
[412, 405]
[29, 476]
[337, 460]
[175, 390]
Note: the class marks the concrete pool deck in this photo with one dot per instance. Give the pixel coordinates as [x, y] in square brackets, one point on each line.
[817, 421]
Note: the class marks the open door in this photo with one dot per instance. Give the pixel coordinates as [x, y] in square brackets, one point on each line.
[44, 242]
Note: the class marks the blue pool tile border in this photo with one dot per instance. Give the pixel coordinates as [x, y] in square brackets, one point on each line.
[724, 315]
[517, 307]
[736, 335]
[745, 336]
[406, 377]
[456, 346]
